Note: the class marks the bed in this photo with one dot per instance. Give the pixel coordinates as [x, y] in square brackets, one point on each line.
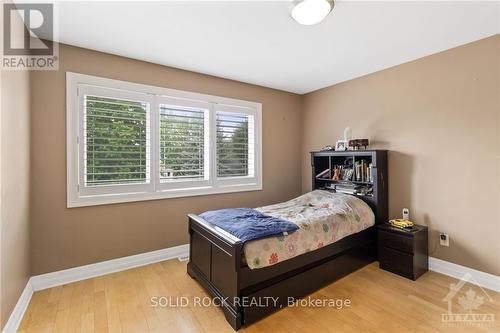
[323, 217]
[336, 236]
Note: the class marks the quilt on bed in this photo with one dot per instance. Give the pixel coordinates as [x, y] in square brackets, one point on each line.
[323, 217]
[247, 223]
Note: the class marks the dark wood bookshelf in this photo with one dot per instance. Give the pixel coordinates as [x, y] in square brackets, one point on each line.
[378, 185]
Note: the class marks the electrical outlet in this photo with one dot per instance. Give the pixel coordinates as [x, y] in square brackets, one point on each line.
[444, 239]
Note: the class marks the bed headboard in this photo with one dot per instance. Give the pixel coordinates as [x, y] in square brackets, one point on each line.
[364, 170]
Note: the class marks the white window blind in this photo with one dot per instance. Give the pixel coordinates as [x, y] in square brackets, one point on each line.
[116, 142]
[235, 144]
[130, 142]
[183, 153]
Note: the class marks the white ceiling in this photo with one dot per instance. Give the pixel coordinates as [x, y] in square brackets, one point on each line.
[258, 42]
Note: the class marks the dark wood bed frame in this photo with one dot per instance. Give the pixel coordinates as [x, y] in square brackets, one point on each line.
[215, 256]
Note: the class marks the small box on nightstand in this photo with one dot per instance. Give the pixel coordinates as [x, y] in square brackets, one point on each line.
[403, 251]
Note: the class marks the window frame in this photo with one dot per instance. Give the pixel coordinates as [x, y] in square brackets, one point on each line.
[79, 197]
[236, 180]
[179, 184]
[121, 95]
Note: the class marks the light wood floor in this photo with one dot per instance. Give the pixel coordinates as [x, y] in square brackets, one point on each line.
[121, 302]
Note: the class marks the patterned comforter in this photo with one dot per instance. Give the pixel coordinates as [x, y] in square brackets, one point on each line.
[323, 218]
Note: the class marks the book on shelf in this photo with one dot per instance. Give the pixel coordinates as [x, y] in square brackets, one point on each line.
[351, 189]
[347, 173]
[323, 174]
[363, 171]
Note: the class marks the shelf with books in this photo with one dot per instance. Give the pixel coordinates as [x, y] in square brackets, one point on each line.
[362, 183]
[363, 169]
[350, 188]
[348, 170]
[344, 181]
[336, 171]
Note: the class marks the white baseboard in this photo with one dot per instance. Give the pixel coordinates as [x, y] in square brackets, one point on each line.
[485, 280]
[49, 280]
[17, 314]
[58, 278]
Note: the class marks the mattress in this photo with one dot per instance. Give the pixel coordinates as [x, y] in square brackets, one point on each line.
[323, 217]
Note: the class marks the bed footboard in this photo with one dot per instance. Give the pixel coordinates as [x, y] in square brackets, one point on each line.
[214, 260]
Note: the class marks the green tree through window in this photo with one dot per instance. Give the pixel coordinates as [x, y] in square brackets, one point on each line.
[115, 141]
[182, 148]
[232, 144]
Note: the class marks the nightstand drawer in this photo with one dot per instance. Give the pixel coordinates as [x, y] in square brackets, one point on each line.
[395, 241]
[396, 261]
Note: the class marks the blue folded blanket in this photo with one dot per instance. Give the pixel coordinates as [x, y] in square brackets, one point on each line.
[248, 224]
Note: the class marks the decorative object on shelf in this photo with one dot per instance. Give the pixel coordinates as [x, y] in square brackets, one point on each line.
[356, 144]
[328, 148]
[337, 173]
[341, 145]
[347, 173]
[343, 172]
[347, 134]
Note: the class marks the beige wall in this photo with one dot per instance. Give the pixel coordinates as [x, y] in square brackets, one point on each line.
[439, 117]
[63, 238]
[14, 179]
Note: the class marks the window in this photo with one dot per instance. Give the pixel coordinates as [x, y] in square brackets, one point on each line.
[116, 141]
[235, 144]
[130, 142]
[184, 143]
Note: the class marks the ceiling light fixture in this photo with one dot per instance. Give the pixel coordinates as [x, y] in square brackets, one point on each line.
[309, 12]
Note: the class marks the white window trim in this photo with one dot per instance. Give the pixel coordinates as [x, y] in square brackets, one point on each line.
[111, 189]
[179, 184]
[234, 181]
[155, 190]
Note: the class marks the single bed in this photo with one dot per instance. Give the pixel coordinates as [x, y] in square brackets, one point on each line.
[336, 236]
[323, 217]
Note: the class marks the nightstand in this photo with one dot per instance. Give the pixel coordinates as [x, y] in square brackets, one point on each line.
[402, 251]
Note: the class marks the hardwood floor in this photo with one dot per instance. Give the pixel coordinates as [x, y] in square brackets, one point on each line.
[121, 302]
